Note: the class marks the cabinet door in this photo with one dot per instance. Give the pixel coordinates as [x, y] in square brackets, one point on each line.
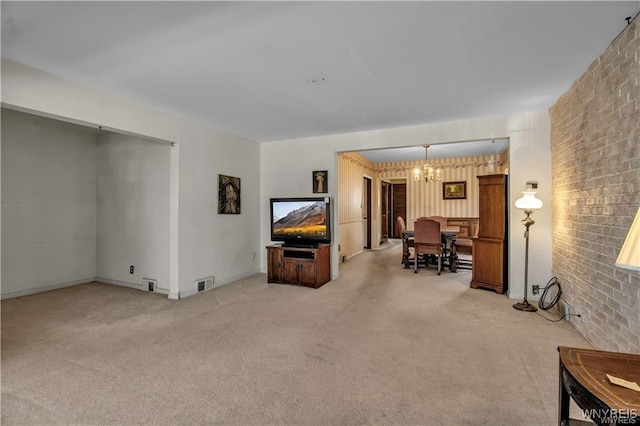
[290, 270]
[492, 207]
[274, 266]
[323, 265]
[488, 263]
[307, 272]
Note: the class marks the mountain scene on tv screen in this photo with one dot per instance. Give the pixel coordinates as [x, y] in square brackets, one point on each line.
[308, 221]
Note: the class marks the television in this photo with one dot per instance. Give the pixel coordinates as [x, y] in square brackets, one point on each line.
[301, 222]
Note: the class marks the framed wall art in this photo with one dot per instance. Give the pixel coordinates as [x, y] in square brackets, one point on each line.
[228, 194]
[454, 190]
[320, 181]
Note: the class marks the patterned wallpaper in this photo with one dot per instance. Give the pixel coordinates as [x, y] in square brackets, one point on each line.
[423, 199]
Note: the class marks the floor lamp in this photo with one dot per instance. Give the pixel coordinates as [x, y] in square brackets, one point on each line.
[528, 203]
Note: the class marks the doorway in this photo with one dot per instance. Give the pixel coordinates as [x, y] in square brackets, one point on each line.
[366, 212]
[398, 206]
[385, 202]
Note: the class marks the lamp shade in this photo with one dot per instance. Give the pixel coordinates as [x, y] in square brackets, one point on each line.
[528, 202]
[629, 257]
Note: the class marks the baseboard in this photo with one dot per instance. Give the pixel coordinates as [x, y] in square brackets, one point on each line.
[137, 286]
[188, 293]
[355, 254]
[219, 283]
[520, 295]
[44, 288]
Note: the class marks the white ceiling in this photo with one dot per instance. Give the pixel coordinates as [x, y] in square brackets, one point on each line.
[245, 67]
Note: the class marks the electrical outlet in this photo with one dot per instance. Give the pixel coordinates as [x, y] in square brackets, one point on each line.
[535, 289]
[131, 269]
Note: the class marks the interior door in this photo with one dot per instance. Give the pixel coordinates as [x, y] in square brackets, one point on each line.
[384, 211]
[366, 213]
[399, 205]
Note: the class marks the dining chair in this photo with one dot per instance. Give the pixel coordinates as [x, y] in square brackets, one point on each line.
[465, 246]
[407, 242]
[427, 242]
[441, 219]
[446, 238]
[443, 223]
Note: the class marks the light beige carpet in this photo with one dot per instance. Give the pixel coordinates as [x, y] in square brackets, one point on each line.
[380, 345]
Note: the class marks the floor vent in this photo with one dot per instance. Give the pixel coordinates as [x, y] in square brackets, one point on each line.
[149, 285]
[204, 284]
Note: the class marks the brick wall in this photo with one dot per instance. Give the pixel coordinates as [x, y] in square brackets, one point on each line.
[595, 149]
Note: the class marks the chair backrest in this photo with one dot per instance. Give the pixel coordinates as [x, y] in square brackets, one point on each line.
[441, 219]
[474, 228]
[427, 231]
[400, 225]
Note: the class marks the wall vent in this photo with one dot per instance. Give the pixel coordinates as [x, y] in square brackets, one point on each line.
[149, 285]
[204, 284]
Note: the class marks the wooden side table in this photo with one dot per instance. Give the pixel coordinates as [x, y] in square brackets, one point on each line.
[583, 378]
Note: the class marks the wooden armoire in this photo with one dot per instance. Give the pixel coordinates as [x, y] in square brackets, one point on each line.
[489, 250]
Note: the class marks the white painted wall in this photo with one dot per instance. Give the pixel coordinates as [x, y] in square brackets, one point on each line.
[48, 204]
[223, 245]
[210, 243]
[286, 167]
[133, 183]
[207, 243]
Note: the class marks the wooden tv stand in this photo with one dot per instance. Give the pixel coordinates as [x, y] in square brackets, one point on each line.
[309, 267]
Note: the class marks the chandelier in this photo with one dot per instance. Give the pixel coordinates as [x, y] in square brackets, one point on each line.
[429, 172]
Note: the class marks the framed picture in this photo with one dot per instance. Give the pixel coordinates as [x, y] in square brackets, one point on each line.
[228, 195]
[454, 190]
[320, 181]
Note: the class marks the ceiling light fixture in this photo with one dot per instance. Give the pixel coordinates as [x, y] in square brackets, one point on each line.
[429, 173]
